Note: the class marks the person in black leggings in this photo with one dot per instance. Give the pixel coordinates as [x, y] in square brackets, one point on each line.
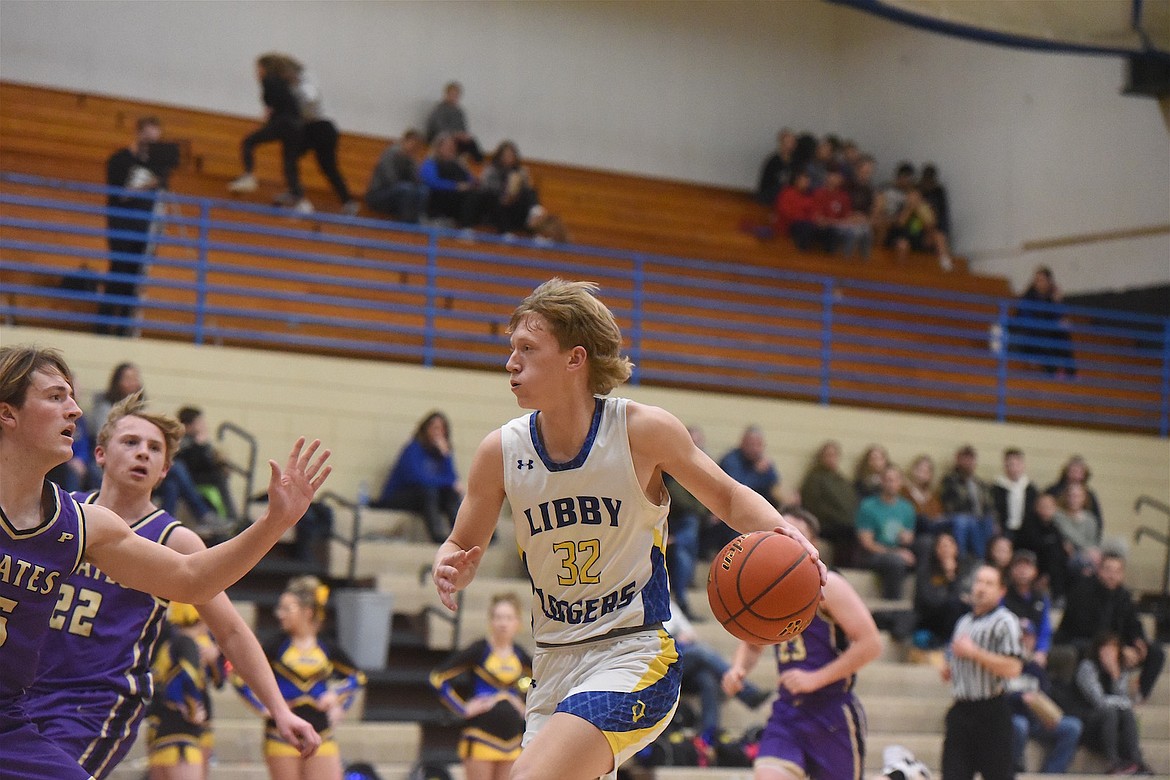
[276, 73]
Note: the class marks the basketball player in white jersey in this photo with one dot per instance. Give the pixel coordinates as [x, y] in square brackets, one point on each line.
[583, 476]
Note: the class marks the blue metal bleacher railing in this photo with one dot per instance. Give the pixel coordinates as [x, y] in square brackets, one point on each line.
[225, 272]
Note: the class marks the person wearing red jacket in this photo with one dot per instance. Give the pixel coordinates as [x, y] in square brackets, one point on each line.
[796, 213]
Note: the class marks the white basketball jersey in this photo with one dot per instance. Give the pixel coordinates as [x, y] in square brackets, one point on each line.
[594, 545]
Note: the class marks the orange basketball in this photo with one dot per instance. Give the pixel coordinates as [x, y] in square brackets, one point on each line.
[764, 588]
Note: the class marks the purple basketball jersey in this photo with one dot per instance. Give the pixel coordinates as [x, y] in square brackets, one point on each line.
[94, 676]
[103, 634]
[817, 646]
[33, 564]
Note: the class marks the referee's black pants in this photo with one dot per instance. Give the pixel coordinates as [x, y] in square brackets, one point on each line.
[978, 739]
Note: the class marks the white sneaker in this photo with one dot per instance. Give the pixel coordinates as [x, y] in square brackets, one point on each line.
[946, 263]
[245, 183]
[303, 206]
[351, 208]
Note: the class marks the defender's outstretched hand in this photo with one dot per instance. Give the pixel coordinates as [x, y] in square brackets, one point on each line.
[291, 491]
[453, 572]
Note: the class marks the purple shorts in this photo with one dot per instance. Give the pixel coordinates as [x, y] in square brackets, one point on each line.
[96, 728]
[822, 736]
[30, 756]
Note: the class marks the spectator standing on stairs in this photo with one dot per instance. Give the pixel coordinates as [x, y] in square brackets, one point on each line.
[424, 479]
[817, 728]
[128, 221]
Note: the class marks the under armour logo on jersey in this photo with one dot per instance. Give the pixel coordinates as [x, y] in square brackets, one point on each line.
[525, 464]
[639, 710]
[65, 536]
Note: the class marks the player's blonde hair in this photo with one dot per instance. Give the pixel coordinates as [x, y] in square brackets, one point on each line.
[134, 405]
[578, 318]
[19, 363]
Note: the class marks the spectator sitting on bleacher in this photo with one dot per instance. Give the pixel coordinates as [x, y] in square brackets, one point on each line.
[449, 117]
[920, 490]
[450, 185]
[1030, 602]
[424, 479]
[748, 465]
[282, 123]
[319, 135]
[829, 495]
[796, 214]
[940, 594]
[865, 205]
[208, 468]
[1076, 472]
[1030, 694]
[891, 199]
[935, 195]
[1040, 535]
[777, 170]
[685, 522]
[966, 501]
[885, 534]
[1101, 603]
[125, 380]
[834, 212]
[867, 475]
[999, 553]
[1105, 681]
[1013, 493]
[507, 190]
[915, 226]
[823, 161]
[1080, 529]
[395, 188]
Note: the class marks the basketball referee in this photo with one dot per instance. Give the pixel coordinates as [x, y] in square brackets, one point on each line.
[985, 653]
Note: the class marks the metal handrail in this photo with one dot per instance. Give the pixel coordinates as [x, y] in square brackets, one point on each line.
[769, 330]
[1157, 536]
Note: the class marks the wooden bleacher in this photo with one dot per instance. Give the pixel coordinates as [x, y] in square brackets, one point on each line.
[69, 135]
[57, 132]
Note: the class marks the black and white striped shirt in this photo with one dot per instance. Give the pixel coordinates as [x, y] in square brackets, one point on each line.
[997, 631]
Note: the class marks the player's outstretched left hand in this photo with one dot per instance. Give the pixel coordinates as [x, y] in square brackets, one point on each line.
[291, 491]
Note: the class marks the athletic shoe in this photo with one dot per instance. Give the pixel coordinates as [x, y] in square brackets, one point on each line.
[245, 183]
[303, 206]
[351, 208]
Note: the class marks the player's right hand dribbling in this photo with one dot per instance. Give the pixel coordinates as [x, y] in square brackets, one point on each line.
[453, 572]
